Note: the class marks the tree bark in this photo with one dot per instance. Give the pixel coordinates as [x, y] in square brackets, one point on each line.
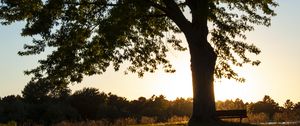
[203, 59]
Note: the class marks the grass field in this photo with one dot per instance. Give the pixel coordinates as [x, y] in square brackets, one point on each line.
[197, 124]
[183, 123]
[212, 124]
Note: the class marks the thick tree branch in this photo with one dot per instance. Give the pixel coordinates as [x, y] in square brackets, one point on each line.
[199, 10]
[174, 12]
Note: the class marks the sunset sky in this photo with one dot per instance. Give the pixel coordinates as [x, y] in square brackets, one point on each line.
[277, 76]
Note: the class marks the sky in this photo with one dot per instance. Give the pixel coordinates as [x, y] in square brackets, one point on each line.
[277, 75]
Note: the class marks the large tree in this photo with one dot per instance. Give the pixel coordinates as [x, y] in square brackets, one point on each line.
[87, 36]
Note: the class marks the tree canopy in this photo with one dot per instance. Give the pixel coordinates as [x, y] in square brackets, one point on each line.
[87, 36]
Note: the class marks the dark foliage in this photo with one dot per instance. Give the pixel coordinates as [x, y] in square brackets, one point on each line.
[91, 104]
[88, 36]
[267, 106]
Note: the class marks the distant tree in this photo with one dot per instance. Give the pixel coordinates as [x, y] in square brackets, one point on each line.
[87, 36]
[160, 106]
[12, 108]
[43, 91]
[287, 112]
[88, 102]
[297, 106]
[230, 104]
[58, 112]
[297, 110]
[88, 92]
[288, 105]
[136, 108]
[182, 107]
[11, 99]
[267, 106]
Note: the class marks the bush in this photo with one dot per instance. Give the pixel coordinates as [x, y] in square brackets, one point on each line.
[257, 118]
[148, 120]
[178, 119]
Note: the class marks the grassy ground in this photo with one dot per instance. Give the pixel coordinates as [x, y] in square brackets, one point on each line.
[184, 123]
[198, 124]
[209, 124]
[163, 124]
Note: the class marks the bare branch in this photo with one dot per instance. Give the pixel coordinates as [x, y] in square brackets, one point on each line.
[174, 12]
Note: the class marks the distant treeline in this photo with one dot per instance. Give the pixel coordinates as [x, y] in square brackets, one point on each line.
[90, 104]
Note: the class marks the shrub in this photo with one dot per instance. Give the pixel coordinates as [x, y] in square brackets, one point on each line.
[256, 118]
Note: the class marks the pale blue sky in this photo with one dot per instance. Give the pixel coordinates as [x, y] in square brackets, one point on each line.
[277, 76]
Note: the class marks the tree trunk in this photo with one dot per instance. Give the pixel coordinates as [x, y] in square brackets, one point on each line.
[203, 59]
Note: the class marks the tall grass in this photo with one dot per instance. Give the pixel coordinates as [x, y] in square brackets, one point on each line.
[152, 121]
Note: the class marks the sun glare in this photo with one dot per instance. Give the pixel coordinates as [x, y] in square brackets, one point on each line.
[230, 89]
[180, 85]
[172, 86]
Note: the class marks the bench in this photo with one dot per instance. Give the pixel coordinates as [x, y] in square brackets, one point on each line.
[225, 114]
